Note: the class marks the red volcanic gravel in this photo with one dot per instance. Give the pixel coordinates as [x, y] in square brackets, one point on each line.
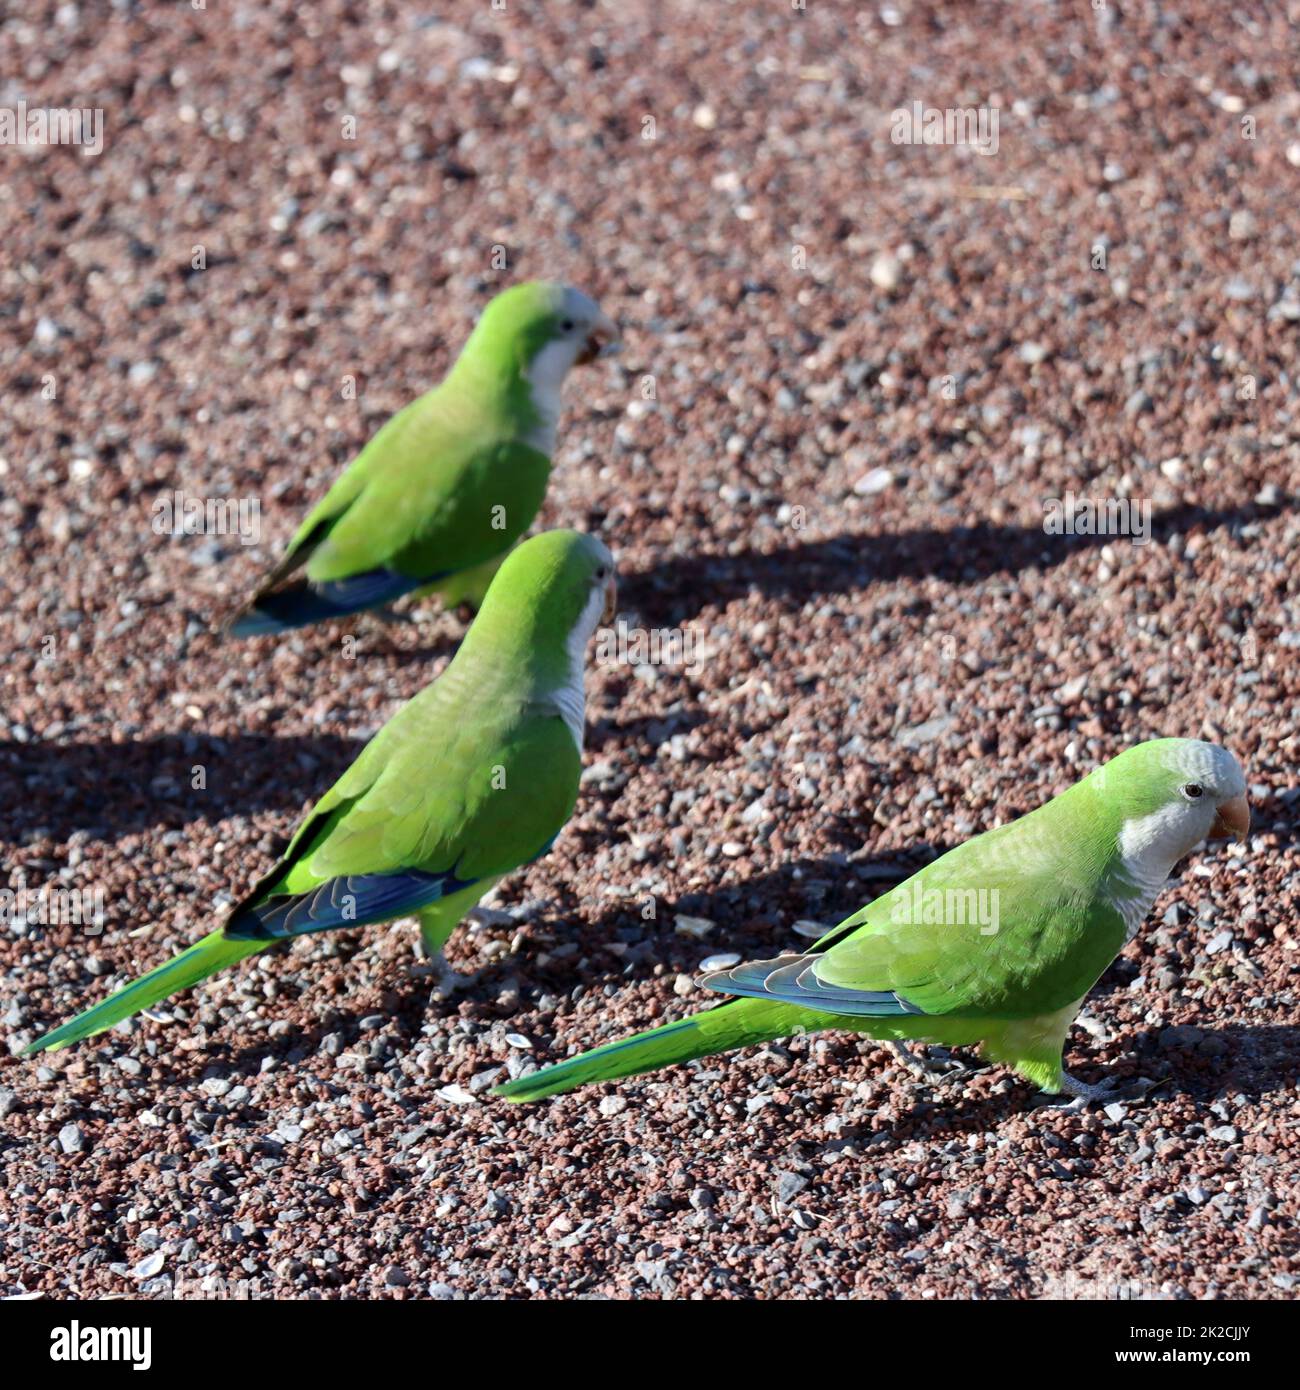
[854, 374]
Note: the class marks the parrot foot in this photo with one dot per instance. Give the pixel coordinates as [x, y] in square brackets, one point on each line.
[1112, 1089]
[927, 1067]
[450, 981]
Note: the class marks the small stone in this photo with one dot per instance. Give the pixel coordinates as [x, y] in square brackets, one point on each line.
[1072, 690]
[396, 1278]
[886, 271]
[71, 1139]
[922, 734]
[701, 1199]
[1242, 225]
[456, 1095]
[1224, 1134]
[723, 961]
[697, 927]
[870, 483]
[1181, 1036]
[150, 1266]
[789, 1186]
[612, 1105]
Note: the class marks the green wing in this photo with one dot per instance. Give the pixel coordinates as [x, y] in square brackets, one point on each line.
[439, 792]
[436, 491]
[1008, 925]
[1000, 926]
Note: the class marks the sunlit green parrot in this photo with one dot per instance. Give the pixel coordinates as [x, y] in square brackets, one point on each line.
[468, 781]
[996, 943]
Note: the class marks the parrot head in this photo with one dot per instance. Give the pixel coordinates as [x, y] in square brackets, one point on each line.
[1172, 793]
[544, 329]
[553, 590]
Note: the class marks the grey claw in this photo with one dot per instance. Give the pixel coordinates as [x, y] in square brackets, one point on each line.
[1110, 1090]
[928, 1068]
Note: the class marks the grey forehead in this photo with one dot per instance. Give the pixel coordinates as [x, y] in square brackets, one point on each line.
[1207, 762]
[579, 304]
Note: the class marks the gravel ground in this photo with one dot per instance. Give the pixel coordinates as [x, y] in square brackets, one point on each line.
[854, 372]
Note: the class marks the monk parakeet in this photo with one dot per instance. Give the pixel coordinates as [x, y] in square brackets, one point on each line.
[439, 496]
[469, 780]
[997, 942]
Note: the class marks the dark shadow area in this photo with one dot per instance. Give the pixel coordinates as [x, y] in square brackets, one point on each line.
[109, 789]
[435, 643]
[1253, 1062]
[621, 945]
[651, 729]
[1238, 1059]
[681, 584]
[824, 890]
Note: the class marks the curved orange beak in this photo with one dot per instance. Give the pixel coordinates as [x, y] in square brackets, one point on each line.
[1232, 820]
[611, 602]
[601, 341]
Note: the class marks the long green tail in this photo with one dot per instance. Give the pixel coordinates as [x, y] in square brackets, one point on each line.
[738, 1023]
[204, 958]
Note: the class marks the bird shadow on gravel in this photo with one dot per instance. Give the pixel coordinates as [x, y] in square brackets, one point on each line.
[435, 644]
[681, 584]
[1251, 1060]
[752, 918]
[107, 789]
[1247, 1060]
[650, 729]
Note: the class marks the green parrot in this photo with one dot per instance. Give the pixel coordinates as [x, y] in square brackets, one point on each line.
[439, 496]
[997, 942]
[468, 781]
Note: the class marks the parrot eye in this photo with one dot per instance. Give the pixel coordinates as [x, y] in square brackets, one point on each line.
[1192, 790]
[603, 572]
[566, 326]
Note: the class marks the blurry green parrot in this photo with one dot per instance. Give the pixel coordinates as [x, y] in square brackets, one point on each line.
[439, 496]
